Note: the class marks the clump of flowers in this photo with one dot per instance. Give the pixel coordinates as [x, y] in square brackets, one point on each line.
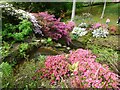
[56, 67]
[96, 25]
[55, 29]
[89, 73]
[100, 32]
[79, 31]
[81, 67]
[21, 14]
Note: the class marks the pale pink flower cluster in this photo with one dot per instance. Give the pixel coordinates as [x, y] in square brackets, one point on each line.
[96, 25]
[89, 73]
[55, 68]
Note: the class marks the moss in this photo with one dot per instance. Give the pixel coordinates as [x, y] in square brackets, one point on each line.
[110, 42]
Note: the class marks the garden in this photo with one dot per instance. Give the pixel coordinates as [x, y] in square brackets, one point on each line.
[60, 45]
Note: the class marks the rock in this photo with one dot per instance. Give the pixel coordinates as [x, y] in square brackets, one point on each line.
[68, 48]
[43, 41]
[58, 45]
[64, 46]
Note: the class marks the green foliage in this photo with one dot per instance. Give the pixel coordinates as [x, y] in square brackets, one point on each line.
[86, 39]
[6, 69]
[7, 30]
[74, 36]
[6, 74]
[25, 26]
[41, 57]
[5, 49]
[17, 32]
[22, 49]
[111, 12]
[24, 77]
[106, 56]
[20, 80]
[47, 41]
[56, 8]
[18, 37]
[74, 66]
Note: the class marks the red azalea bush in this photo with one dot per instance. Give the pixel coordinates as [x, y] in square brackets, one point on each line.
[113, 28]
[55, 29]
[87, 74]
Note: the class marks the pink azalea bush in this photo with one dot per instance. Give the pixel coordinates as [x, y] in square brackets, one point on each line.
[91, 73]
[88, 73]
[98, 25]
[55, 68]
[54, 28]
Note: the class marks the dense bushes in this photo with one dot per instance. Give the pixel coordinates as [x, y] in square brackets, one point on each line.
[17, 32]
[5, 74]
[56, 68]
[50, 26]
[55, 29]
[81, 68]
[59, 9]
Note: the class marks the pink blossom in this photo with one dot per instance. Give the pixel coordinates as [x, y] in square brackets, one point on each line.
[55, 29]
[97, 25]
[75, 72]
[90, 74]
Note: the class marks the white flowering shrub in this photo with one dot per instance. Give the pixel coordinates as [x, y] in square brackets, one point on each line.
[83, 25]
[100, 32]
[79, 31]
[21, 14]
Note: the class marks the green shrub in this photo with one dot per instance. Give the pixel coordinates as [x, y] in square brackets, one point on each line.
[5, 49]
[22, 49]
[6, 74]
[6, 69]
[41, 57]
[17, 32]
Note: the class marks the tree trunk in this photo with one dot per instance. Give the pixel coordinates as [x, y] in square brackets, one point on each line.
[73, 10]
[103, 10]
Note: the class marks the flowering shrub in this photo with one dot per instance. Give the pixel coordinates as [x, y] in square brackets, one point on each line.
[79, 31]
[90, 73]
[54, 28]
[81, 67]
[56, 67]
[21, 14]
[100, 32]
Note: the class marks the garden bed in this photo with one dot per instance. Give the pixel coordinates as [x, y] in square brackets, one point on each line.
[40, 51]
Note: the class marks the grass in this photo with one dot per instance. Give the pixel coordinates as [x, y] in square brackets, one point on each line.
[111, 12]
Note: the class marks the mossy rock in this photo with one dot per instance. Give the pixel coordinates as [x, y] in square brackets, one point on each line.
[14, 55]
[111, 41]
